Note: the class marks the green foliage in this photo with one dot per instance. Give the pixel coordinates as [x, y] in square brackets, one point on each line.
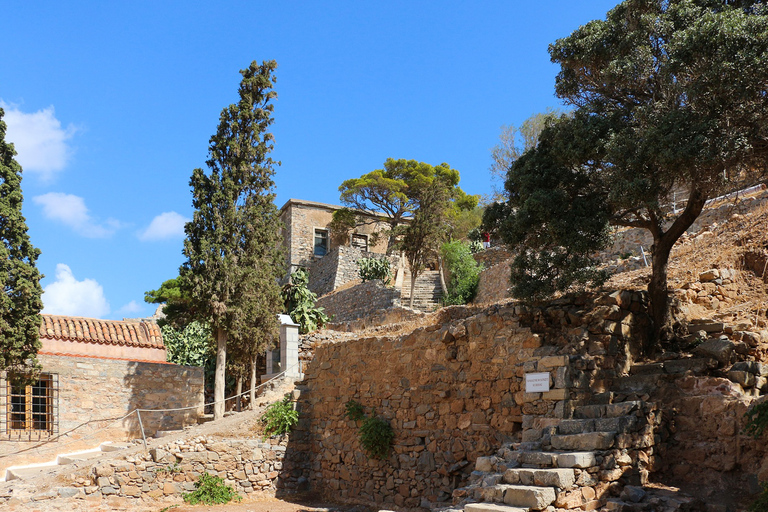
[190, 346]
[376, 436]
[211, 490]
[476, 247]
[20, 300]
[299, 302]
[761, 503]
[396, 191]
[354, 410]
[233, 240]
[464, 271]
[668, 96]
[280, 417]
[178, 309]
[424, 234]
[171, 468]
[374, 268]
[342, 223]
[757, 420]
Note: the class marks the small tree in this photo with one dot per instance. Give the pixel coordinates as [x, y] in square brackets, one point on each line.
[427, 230]
[396, 191]
[669, 97]
[233, 260]
[20, 302]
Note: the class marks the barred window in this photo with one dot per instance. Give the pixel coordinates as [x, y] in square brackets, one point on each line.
[31, 410]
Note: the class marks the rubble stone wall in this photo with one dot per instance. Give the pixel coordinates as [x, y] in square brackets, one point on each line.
[493, 285]
[339, 267]
[93, 393]
[359, 301]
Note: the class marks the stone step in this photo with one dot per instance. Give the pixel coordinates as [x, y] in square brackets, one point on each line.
[165, 433]
[542, 460]
[110, 446]
[579, 426]
[71, 458]
[583, 442]
[561, 478]
[491, 507]
[26, 473]
[530, 496]
[606, 410]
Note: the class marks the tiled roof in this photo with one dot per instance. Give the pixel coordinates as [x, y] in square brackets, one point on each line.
[143, 333]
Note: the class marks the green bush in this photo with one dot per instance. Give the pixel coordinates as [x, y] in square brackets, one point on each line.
[354, 410]
[374, 268]
[757, 420]
[761, 503]
[300, 303]
[464, 270]
[376, 436]
[211, 490]
[476, 247]
[280, 417]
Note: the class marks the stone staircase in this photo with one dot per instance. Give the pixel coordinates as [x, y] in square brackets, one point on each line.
[585, 462]
[427, 292]
[36, 470]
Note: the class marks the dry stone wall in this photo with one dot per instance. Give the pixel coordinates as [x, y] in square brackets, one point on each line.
[359, 301]
[339, 267]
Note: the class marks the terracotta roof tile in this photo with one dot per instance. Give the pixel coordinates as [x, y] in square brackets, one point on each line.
[132, 333]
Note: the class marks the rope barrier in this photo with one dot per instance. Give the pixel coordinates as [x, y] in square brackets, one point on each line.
[138, 412]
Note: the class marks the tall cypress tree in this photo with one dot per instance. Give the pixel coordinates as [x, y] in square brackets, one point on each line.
[20, 300]
[232, 246]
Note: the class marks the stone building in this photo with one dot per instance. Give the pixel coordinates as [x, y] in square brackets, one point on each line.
[94, 374]
[307, 235]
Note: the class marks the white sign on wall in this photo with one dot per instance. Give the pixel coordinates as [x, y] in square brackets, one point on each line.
[536, 382]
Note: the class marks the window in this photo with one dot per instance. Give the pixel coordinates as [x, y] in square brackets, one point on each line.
[360, 241]
[321, 242]
[30, 409]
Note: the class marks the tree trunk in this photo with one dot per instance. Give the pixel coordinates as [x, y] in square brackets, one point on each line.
[658, 291]
[221, 364]
[413, 288]
[443, 286]
[253, 383]
[238, 393]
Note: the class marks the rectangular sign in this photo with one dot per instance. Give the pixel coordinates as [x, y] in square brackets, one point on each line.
[536, 382]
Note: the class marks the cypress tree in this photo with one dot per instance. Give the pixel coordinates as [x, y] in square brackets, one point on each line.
[232, 246]
[21, 292]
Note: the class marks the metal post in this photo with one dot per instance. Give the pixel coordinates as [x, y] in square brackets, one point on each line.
[141, 426]
[643, 253]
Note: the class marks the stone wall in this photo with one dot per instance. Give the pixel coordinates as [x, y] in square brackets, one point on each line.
[359, 301]
[492, 256]
[339, 267]
[451, 393]
[494, 284]
[93, 393]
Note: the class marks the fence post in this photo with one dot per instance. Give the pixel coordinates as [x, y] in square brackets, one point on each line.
[141, 426]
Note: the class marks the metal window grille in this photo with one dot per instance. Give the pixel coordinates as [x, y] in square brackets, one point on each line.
[30, 411]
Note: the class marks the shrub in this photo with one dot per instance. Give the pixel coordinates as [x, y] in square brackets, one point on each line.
[376, 436]
[374, 268]
[354, 410]
[761, 503]
[280, 417]
[757, 420]
[300, 303]
[476, 247]
[211, 490]
[464, 270]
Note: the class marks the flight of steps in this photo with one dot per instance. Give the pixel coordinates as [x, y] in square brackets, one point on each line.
[35, 470]
[590, 461]
[427, 292]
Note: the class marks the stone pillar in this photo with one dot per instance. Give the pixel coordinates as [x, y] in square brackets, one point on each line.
[285, 358]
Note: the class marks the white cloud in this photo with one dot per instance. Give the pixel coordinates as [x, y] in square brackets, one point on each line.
[131, 308]
[40, 141]
[71, 211]
[68, 296]
[164, 226]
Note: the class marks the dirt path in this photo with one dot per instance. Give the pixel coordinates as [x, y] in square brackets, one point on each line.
[303, 504]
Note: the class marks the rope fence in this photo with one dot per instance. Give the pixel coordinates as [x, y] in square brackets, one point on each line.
[138, 411]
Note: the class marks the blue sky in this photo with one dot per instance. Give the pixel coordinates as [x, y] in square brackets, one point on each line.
[111, 105]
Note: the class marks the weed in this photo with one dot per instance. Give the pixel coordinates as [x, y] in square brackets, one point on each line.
[354, 410]
[376, 436]
[757, 420]
[280, 417]
[172, 468]
[211, 490]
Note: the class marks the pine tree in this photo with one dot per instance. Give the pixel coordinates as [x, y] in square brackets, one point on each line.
[232, 246]
[21, 298]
